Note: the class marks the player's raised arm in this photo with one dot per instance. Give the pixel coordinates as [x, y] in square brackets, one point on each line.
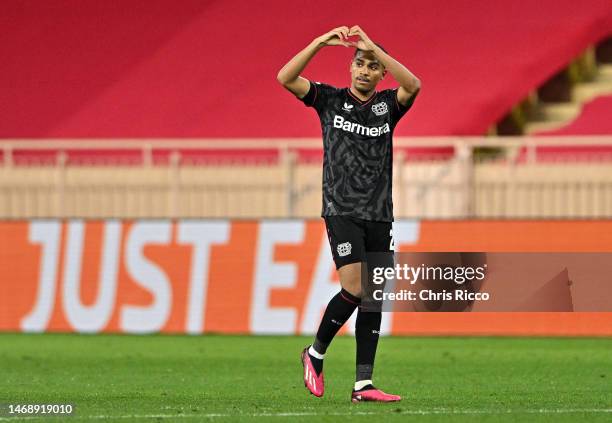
[409, 83]
[289, 75]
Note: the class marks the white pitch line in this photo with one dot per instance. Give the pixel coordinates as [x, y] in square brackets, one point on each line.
[313, 414]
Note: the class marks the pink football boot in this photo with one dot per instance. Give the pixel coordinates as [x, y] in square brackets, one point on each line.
[313, 382]
[372, 394]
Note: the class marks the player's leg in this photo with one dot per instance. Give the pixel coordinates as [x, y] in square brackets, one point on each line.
[338, 311]
[346, 240]
[348, 249]
[379, 239]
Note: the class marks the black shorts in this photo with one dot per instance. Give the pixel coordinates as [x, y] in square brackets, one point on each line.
[351, 238]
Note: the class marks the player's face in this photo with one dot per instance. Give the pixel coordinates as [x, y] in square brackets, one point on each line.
[366, 72]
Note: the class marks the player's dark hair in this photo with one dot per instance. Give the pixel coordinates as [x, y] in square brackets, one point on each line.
[358, 50]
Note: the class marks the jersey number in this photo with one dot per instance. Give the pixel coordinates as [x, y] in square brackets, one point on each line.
[391, 243]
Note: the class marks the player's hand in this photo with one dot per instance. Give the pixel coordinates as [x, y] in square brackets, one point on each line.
[336, 37]
[364, 42]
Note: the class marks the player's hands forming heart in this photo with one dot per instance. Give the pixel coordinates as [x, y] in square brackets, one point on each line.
[336, 37]
[364, 42]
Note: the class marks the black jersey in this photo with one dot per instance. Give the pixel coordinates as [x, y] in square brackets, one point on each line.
[357, 150]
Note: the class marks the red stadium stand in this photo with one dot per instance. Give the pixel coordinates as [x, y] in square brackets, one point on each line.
[207, 69]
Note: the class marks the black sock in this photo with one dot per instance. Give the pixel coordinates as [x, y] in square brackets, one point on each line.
[338, 311]
[367, 331]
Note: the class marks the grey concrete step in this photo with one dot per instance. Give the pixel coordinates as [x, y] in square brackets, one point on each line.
[551, 116]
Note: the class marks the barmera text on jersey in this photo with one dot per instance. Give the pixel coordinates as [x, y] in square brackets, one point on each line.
[370, 131]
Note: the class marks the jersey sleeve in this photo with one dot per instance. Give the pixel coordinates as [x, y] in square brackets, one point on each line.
[319, 95]
[399, 110]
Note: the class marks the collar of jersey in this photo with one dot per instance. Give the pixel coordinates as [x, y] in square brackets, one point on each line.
[361, 102]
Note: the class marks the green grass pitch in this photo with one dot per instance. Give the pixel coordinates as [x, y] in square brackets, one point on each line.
[244, 378]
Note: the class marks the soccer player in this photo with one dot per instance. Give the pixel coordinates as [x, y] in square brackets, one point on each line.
[357, 124]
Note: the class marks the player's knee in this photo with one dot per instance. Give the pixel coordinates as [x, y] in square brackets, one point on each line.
[352, 287]
[350, 278]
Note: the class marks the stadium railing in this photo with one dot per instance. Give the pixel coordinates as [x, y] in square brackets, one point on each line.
[437, 178]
